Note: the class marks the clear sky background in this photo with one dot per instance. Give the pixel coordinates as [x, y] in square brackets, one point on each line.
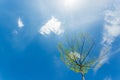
[31, 29]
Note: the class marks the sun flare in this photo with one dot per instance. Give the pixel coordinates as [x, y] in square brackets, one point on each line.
[71, 5]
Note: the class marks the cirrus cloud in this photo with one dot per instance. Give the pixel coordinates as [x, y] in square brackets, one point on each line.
[108, 78]
[110, 33]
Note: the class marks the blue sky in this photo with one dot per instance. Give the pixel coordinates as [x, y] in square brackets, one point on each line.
[31, 29]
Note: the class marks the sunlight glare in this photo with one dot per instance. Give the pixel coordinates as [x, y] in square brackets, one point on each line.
[72, 4]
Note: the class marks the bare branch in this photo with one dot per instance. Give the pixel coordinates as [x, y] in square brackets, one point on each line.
[82, 48]
[88, 52]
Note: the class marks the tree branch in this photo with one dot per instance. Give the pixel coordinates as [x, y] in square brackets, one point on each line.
[88, 52]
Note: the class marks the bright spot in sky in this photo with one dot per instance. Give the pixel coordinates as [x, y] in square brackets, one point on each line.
[72, 4]
[20, 23]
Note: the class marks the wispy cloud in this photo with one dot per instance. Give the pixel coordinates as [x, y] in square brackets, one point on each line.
[108, 78]
[110, 33]
[20, 23]
[52, 26]
[15, 32]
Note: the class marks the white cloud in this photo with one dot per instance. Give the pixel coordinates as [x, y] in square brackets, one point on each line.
[52, 26]
[20, 23]
[110, 33]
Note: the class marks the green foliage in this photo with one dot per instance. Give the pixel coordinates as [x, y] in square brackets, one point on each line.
[75, 53]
